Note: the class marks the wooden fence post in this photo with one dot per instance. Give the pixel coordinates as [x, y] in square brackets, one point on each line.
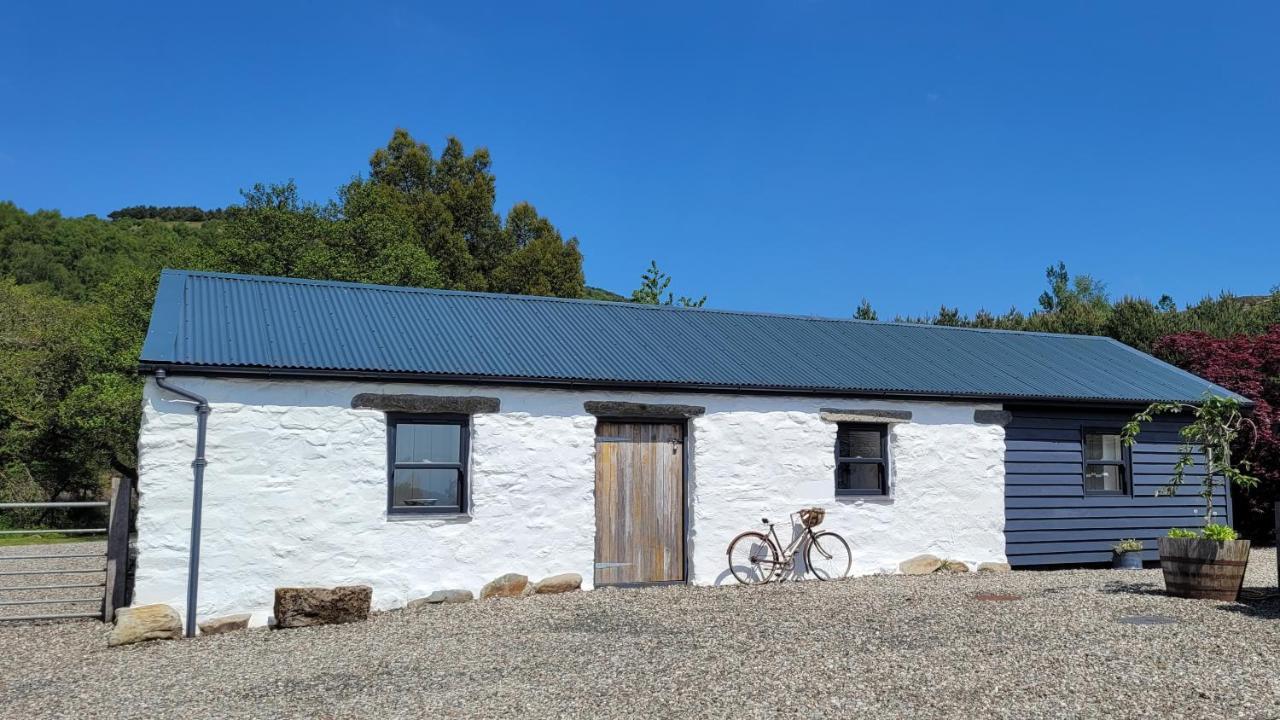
[117, 548]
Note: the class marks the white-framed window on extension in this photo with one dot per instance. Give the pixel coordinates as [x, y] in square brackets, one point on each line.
[1107, 465]
[427, 464]
[862, 459]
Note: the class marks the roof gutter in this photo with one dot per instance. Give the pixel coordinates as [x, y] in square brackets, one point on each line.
[193, 558]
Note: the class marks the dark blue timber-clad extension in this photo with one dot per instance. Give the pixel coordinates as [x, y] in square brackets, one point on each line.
[1050, 515]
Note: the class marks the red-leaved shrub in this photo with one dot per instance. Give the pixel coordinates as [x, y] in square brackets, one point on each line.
[1250, 366]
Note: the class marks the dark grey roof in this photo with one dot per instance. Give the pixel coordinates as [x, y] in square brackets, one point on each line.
[240, 323]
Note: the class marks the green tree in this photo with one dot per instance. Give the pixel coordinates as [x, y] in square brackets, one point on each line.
[68, 407]
[1137, 322]
[985, 319]
[1071, 305]
[541, 262]
[273, 233]
[444, 200]
[950, 317]
[653, 283]
[375, 240]
[415, 220]
[864, 311]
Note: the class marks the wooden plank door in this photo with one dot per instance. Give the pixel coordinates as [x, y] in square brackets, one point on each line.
[639, 503]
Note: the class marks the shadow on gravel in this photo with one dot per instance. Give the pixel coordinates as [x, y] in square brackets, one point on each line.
[1253, 601]
[1256, 602]
[1116, 588]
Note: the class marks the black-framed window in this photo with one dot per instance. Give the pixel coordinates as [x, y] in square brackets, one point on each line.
[1106, 462]
[427, 464]
[862, 454]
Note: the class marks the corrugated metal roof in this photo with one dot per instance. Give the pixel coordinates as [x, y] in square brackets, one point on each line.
[246, 323]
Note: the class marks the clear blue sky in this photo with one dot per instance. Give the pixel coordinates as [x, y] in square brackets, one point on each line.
[780, 156]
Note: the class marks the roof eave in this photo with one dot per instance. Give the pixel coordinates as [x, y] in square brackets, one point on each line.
[148, 367]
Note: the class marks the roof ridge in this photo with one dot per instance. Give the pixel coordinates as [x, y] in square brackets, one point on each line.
[613, 303]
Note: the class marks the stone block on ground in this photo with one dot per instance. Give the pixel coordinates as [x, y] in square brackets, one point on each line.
[227, 624]
[440, 597]
[564, 582]
[509, 585]
[145, 622]
[920, 565]
[993, 567]
[953, 566]
[307, 606]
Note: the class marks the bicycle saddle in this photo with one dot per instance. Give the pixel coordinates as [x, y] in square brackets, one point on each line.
[764, 520]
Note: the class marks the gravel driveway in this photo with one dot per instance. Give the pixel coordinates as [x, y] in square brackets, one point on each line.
[891, 646]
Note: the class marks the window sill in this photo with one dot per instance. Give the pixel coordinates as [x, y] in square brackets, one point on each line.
[847, 495]
[458, 517]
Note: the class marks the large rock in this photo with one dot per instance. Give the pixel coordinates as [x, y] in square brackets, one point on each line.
[509, 585]
[304, 607]
[993, 567]
[227, 624]
[441, 596]
[920, 565]
[564, 582]
[953, 566]
[145, 622]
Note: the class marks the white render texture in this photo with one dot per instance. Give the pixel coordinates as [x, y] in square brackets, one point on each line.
[295, 489]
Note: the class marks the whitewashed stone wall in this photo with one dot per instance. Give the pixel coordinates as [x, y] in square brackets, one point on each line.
[295, 489]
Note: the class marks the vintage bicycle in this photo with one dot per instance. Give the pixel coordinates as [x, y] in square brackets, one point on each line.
[754, 558]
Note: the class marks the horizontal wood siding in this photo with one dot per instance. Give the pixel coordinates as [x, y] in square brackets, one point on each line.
[1048, 518]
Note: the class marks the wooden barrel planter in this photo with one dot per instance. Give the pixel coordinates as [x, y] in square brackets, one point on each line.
[1203, 569]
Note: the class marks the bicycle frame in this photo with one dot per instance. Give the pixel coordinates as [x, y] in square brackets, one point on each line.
[788, 554]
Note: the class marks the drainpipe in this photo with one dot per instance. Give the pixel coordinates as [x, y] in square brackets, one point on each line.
[193, 560]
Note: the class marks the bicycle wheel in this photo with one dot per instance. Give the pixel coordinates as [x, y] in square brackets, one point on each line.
[827, 556]
[753, 558]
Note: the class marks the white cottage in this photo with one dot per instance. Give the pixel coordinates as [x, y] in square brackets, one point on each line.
[414, 440]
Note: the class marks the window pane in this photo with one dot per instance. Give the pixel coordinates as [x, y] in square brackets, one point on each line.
[858, 477]
[1103, 478]
[433, 488]
[1102, 447]
[859, 444]
[428, 443]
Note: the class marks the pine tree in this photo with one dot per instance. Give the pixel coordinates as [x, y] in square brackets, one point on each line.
[653, 283]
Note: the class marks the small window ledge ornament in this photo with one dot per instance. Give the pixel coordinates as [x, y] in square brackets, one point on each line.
[865, 415]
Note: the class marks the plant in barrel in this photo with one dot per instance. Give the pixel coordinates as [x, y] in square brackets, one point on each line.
[1212, 564]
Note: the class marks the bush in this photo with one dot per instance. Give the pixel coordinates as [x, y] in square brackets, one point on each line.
[1182, 534]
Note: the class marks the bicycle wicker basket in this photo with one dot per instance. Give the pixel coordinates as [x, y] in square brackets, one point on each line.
[812, 517]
